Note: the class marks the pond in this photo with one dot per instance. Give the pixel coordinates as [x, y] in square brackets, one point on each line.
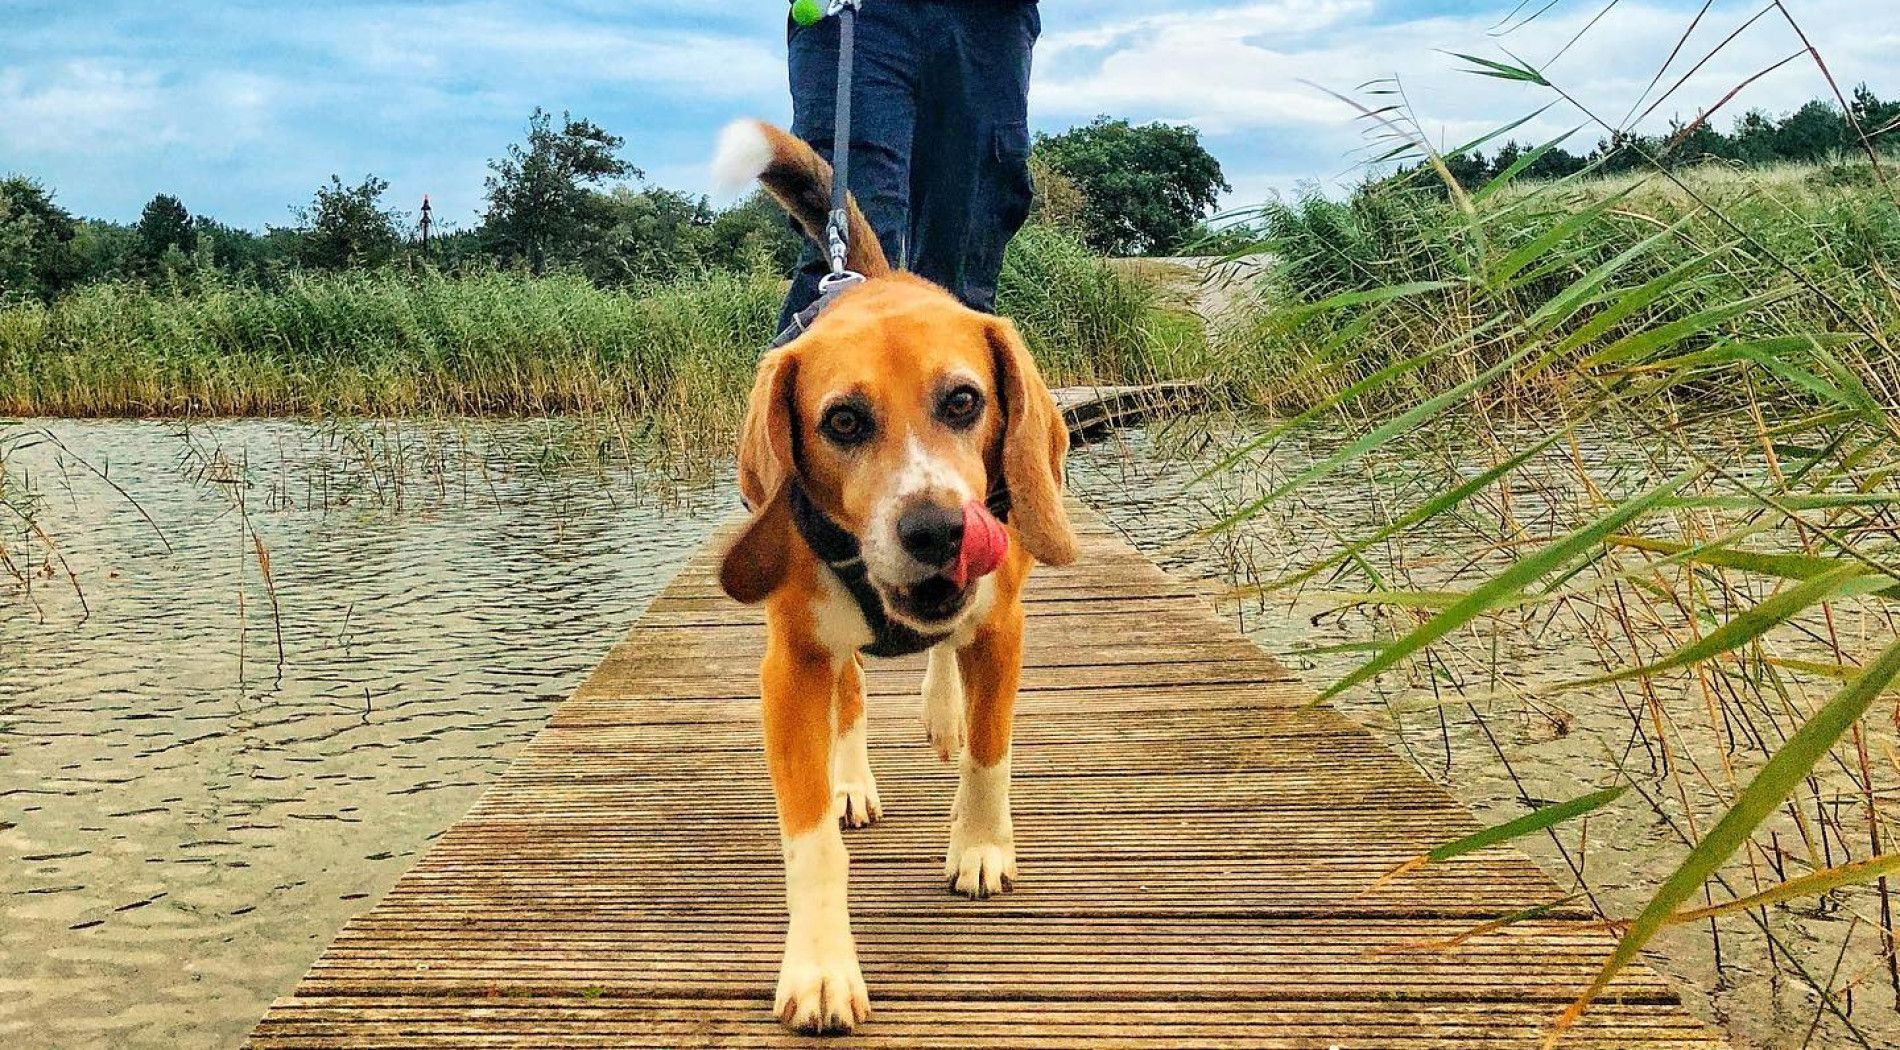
[249, 669]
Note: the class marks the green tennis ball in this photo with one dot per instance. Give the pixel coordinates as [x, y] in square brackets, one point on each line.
[807, 12]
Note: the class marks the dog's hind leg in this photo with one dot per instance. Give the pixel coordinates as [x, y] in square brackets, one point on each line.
[982, 856]
[851, 781]
[943, 702]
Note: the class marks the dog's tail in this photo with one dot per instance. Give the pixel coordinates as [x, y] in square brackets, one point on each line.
[799, 179]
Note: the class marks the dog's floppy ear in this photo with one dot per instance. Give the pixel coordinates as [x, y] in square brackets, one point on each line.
[759, 556]
[1035, 442]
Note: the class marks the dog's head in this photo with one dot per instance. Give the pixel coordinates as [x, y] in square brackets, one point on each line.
[896, 409]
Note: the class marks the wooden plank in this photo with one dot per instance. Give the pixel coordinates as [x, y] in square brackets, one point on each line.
[1198, 843]
[1091, 411]
[608, 1021]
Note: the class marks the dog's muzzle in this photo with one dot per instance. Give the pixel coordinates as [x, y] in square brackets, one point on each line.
[958, 546]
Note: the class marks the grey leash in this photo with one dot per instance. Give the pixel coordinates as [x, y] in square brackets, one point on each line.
[838, 226]
[838, 223]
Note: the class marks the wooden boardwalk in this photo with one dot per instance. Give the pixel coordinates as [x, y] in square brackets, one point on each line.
[1093, 411]
[1194, 847]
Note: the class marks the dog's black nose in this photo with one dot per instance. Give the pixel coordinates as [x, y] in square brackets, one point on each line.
[931, 533]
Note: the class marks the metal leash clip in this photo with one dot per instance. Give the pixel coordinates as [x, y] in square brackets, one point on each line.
[837, 281]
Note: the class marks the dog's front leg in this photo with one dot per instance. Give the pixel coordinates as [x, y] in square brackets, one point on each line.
[982, 856]
[820, 988]
[851, 778]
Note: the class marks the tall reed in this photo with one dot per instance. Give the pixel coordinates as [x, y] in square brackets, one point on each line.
[1727, 592]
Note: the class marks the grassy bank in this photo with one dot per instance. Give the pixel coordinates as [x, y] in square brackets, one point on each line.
[1396, 275]
[393, 343]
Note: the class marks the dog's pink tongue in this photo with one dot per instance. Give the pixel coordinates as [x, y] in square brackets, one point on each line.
[984, 543]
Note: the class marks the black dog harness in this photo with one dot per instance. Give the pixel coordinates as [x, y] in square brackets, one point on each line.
[844, 556]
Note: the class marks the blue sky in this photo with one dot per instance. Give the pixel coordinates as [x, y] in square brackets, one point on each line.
[244, 108]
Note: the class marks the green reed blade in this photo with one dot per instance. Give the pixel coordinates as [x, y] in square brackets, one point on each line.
[1512, 580]
[1811, 885]
[1534, 821]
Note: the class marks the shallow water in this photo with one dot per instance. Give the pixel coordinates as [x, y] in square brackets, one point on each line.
[188, 812]
[185, 816]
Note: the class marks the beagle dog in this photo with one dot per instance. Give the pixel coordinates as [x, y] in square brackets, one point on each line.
[902, 459]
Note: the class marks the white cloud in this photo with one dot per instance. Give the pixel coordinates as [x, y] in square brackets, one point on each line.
[84, 104]
[450, 42]
[244, 108]
[1240, 70]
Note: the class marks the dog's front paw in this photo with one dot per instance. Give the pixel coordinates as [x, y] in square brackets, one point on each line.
[980, 869]
[858, 803]
[821, 992]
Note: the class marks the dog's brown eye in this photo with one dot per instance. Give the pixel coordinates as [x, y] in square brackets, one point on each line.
[847, 425]
[960, 406]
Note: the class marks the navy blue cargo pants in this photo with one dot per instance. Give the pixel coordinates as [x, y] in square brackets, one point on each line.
[939, 134]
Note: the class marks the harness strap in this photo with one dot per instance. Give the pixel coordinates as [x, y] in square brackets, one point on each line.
[844, 556]
[840, 552]
[829, 289]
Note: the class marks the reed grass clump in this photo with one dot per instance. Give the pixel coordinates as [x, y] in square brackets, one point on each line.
[1087, 321]
[383, 344]
[1402, 268]
[399, 343]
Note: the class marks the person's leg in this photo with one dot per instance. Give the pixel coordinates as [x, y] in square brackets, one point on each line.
[969, 183]
[883, 114]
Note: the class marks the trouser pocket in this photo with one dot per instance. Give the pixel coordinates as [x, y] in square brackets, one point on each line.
[1015, 187]
[1002, 206]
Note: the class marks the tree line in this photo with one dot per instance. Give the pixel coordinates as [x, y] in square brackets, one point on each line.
[1817, 133]
[566, 198]
[558, 200]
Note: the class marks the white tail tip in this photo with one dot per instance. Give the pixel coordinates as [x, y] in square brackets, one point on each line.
[743, 154]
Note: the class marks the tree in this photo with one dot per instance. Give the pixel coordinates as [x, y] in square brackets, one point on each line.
[627, 234]
[750, 236]
[1875, 117]
[538, 194]
[37, 260]
[105, 251]
[347, 227]
[162, 226]
[235, 251]
[1555, 164]
[1146, 187]
[1812, 134]
[1754, 137]
[1691, 144]
[1469, 169]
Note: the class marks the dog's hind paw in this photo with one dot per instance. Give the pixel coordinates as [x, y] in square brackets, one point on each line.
[943, 704]
[981, 869]
[821, 995]
[943, 730]
[859, 805]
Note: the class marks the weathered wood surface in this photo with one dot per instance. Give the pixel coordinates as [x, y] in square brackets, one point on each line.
[1092, 411]
[1195, 844]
